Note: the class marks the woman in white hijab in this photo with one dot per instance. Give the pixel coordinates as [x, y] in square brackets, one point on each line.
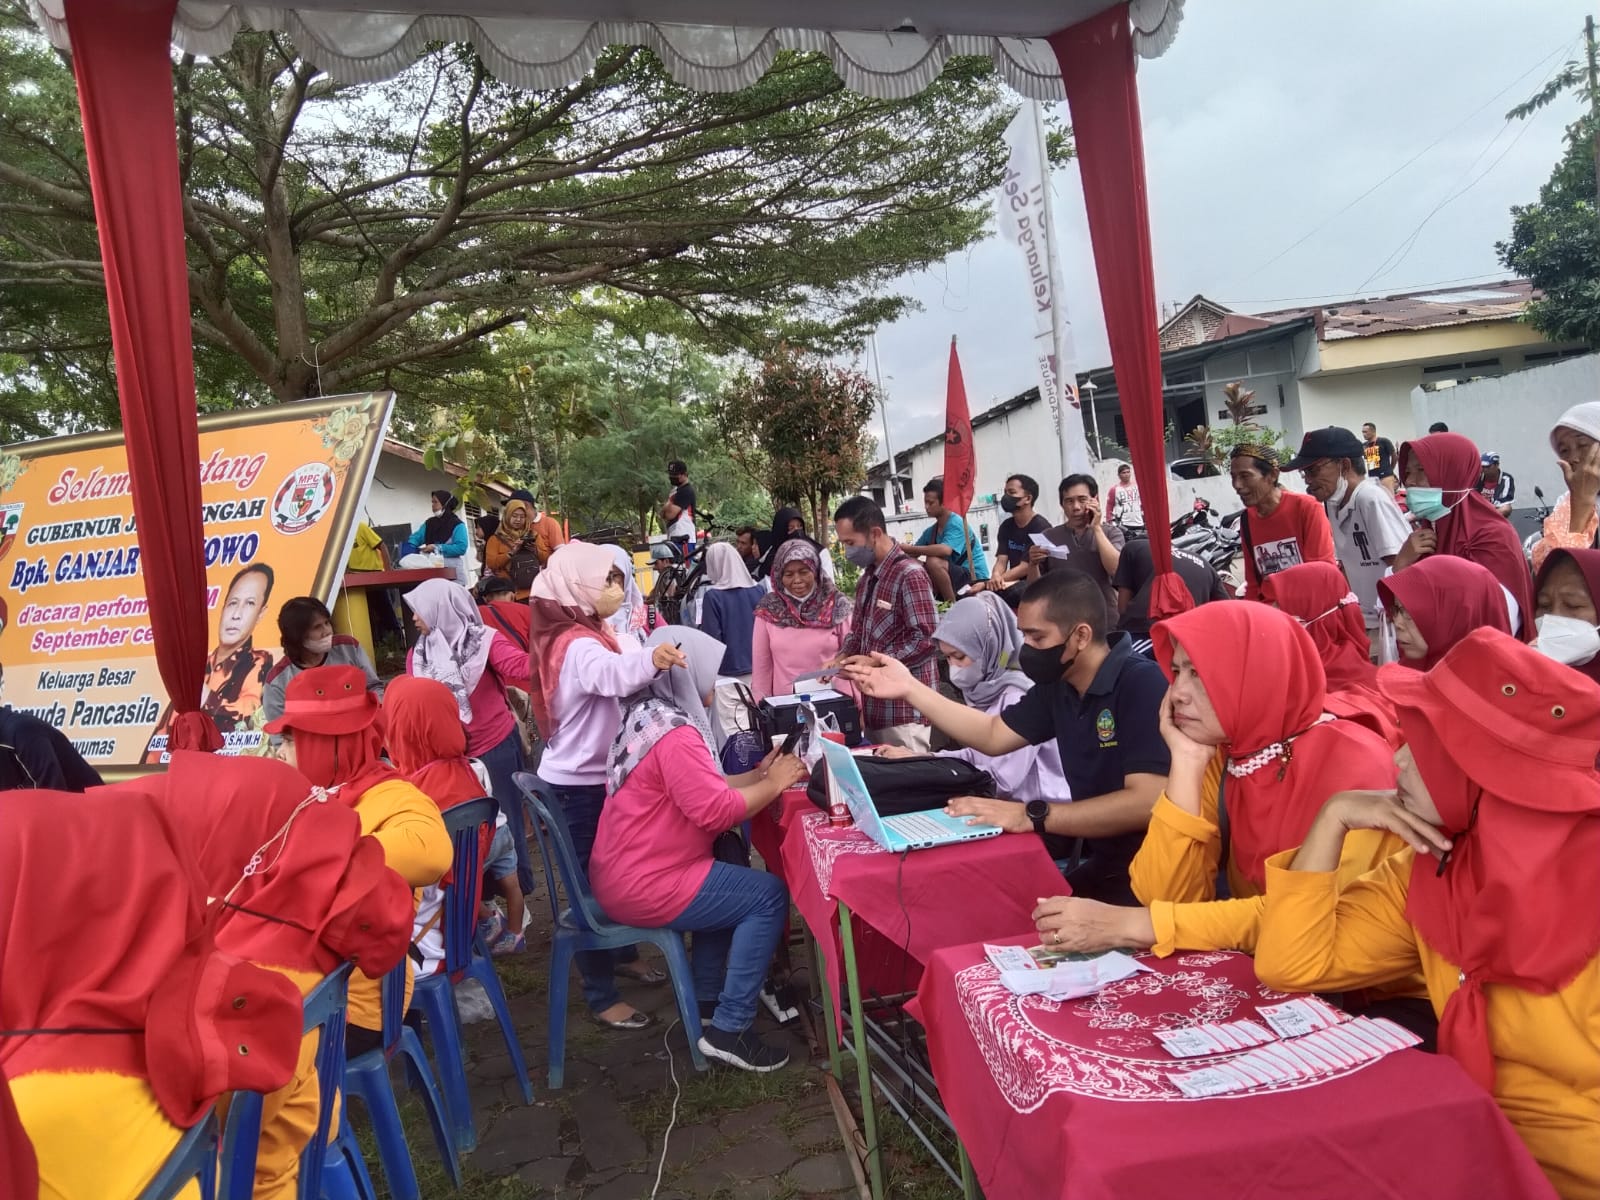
[1573, 523]
[979, 638]
[728, 614]
[653, 866]
[630, 621]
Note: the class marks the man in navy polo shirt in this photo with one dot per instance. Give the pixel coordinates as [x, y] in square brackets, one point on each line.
[1101, 703]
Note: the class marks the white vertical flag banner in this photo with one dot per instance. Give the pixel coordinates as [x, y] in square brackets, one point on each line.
[1023, 210]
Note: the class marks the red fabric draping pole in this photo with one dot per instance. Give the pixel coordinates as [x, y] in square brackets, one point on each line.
[960, 456]
[121, 58]
[1096, 59]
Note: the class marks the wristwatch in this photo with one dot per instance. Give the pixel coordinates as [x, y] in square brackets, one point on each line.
[1037, 810]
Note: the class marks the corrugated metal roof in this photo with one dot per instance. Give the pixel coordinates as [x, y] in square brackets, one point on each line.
[1410, 311]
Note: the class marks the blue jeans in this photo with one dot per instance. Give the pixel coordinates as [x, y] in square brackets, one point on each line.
[736, 917]
[598, 968]
[502, 762]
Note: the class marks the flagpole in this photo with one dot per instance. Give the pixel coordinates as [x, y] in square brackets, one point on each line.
[1066, 382]
[883, 402]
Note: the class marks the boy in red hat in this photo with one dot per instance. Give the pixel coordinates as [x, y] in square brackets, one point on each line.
[1498, 899]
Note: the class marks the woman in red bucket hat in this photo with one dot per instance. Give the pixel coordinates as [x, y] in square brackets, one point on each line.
[1497, 900]
[332, 731]
[117, 1032]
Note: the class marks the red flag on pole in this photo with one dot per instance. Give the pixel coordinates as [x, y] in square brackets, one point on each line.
[960, 460]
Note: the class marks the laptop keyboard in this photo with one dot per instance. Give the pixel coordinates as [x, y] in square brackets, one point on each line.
[919, 827]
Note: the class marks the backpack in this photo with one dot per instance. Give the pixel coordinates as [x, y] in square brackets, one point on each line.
[522, 568]
[908, 785]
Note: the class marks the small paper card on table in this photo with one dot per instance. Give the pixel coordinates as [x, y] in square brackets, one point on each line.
[1199, 1040]
[1010, 958]
[1337, 1048]
[1294, 1018]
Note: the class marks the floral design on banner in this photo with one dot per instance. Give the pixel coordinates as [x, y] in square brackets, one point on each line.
[827, 843]
[1035, 1048]
[342, 431]
[11, 469]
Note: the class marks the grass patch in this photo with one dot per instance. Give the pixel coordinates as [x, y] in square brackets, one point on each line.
[432, 1178]
[711, 1095]
[909, 1171]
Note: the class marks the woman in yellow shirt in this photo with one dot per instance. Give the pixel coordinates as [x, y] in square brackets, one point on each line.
[1498, 900]
[333, 735]
[1245, 706]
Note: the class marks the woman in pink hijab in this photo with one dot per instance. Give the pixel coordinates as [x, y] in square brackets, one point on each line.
[579, 675]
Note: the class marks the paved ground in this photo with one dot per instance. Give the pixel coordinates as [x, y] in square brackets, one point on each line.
[737, 1135]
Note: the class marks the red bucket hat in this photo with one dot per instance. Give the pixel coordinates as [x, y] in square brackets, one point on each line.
[328, 700]
[1501, 705]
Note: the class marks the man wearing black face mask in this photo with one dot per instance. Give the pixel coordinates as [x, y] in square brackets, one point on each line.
[894, 620]
[1015, 536]
[677, 514]
[1099, 700]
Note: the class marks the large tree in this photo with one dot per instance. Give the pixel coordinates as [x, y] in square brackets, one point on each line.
[342, 237]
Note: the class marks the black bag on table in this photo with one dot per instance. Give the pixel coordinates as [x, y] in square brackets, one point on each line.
[908, 785]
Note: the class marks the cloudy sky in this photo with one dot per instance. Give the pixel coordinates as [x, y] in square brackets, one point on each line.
[1264, 125]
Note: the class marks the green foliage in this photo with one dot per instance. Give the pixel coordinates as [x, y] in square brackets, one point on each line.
[343, 237]
[803, 425]
[1219, 442]
[1555, 242]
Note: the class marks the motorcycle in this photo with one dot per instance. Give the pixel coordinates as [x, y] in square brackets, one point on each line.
[1537, 536]
[1216, 544]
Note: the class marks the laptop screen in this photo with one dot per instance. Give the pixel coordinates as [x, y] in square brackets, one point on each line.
[844, 780]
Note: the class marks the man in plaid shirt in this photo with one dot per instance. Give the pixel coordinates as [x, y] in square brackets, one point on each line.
[894, 615]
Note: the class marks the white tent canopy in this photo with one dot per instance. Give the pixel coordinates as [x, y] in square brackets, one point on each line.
[885, 48]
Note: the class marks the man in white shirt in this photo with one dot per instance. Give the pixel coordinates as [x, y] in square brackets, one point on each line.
[1368, 526]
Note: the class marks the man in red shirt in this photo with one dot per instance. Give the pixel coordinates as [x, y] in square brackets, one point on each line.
[1281, 529]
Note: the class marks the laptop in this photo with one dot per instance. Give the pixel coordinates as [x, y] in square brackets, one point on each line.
[907, 831]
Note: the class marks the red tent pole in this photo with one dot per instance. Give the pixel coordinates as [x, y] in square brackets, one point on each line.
[121, 58]
[1096, 58]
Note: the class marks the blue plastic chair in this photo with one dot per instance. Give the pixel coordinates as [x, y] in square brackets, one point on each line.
[322, 1177]
[583, 926]
[193, 1159]
[465, 957]
[366, 1078]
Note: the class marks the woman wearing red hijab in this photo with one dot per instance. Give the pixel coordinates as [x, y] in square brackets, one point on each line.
[1565, 611]
[328, 897]
[1319, 597]
[429, 745]
[1497, 901]
[1246, 700]
[333, 735]
[1441, 473]
[1436, 603]
[125, 1022]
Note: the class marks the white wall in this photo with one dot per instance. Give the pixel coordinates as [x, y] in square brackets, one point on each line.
[1512, 415]
[399, 491]
[1353, 398]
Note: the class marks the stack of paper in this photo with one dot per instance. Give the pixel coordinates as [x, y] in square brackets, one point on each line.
[1296, 1017]
[1049, 547]
[1070, 980]
[1337, 1048]
[1198, 1040]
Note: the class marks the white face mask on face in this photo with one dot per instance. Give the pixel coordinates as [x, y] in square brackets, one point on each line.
[319, 645]
[1567, 640]
[964, 679]
[1340, 492]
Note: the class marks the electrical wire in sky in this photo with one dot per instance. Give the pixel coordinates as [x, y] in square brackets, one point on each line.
[1331, 217]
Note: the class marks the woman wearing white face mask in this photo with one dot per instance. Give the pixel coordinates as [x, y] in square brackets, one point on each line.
[1574, 523]
[578, 676]
[1441, 473]
[800, 624]
[979, 638]
[306, 628]
[1566, 611]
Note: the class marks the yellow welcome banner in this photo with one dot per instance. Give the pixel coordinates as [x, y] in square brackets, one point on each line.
[280, 491]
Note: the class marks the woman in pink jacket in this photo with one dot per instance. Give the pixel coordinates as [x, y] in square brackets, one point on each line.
[800, 624]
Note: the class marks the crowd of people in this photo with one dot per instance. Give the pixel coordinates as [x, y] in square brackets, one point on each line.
[1376, 772]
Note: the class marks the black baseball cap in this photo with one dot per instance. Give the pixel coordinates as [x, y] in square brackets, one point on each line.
[677, 468]
[1331, 442]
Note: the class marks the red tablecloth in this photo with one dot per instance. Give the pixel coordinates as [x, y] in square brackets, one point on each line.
[918, 901]
[768, 827]
[1071, 1101]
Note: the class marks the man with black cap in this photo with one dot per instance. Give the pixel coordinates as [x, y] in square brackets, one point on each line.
[1368, 526]
[677, 514]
